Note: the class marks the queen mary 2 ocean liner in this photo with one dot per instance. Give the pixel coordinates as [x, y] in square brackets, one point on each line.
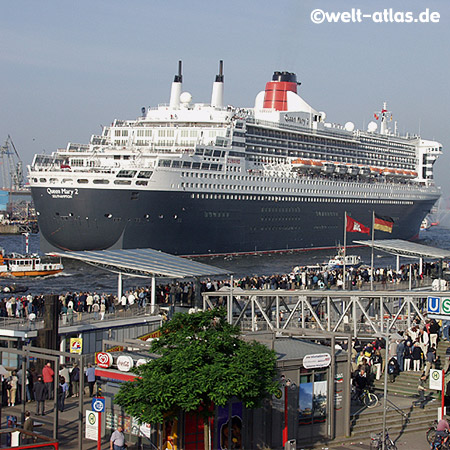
[194, 178]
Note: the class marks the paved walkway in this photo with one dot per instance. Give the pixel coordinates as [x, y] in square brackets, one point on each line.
[68, 423]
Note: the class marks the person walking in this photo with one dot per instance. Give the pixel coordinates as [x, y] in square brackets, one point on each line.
[27, 426]
[90, 374]
[417, 356]
[40, 395]
[400, 354]
[13, 381]
[75, 379]
[377, 361]
[117, 441]
[407, 356]
[62, 392]
[421, 389]
[47, 376]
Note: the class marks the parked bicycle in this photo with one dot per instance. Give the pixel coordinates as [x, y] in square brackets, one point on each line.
[366, 398]
[376, 441]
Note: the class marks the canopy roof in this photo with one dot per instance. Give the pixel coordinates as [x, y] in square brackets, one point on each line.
[406, 248]
[144, 262]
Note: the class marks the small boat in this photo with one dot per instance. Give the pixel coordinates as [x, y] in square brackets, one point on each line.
[338, 261]
[13, 289]
[17, 265]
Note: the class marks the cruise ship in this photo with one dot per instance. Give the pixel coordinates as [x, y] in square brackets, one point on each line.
[208, 178]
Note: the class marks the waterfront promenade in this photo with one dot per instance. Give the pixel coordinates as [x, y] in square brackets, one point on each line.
[68, 429]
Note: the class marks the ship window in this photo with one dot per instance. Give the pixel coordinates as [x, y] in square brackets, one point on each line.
[196, 165]
[67, 180]
[42, 180]
[126, 174]
[145, 174]
[205, 166]
[164, 163]
[176, 163]
[217, 153]
[122, 182]
[134, 195]
[116, 156]
[141, 183]
[187, 164]
[82, 181]
[101, 181]
[214, 166]
[208, 152]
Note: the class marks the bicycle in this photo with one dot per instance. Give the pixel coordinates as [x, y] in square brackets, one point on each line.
[376, 441]
[440, 441]
[367, 398]
[431, 432]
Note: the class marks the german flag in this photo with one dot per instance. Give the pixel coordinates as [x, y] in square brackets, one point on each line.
[383, 223]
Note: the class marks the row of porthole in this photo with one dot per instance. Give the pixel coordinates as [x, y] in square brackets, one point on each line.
[146, 216]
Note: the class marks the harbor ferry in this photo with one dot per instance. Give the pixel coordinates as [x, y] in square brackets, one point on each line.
[16, 265]
[209, 178]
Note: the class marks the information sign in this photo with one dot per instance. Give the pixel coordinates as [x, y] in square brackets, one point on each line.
[316, 361]
[98, 404]
[436, 379]
[76, 345]
[92, 424]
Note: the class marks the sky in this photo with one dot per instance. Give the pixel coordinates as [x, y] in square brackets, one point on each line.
[67, 67]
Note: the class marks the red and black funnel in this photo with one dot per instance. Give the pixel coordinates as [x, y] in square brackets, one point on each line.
[276, 90]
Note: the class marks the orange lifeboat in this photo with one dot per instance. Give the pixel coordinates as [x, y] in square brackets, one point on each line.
[389, 172]
[375, 170]
[302, 164]
[317, 165]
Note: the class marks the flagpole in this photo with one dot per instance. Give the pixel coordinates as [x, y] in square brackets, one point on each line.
[345, 249]
[371, 260]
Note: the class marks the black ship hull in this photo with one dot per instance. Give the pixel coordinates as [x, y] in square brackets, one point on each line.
[184, 223]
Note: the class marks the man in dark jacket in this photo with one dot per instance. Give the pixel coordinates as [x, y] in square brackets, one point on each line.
[40, 395]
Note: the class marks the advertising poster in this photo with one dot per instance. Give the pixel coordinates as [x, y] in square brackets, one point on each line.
[233, 424]
[320, 401]
[305, 403]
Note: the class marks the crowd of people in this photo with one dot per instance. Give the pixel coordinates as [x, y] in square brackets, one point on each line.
[72, 305]
[415, 349]
[40, 385]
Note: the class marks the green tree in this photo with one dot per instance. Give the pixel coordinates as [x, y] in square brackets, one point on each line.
[202, 362]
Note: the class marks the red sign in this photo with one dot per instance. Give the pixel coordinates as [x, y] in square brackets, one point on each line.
[103, 360]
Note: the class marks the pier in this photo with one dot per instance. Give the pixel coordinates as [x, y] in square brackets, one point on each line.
[364, 313]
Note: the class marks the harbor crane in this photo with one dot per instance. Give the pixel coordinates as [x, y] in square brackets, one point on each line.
[11, 166]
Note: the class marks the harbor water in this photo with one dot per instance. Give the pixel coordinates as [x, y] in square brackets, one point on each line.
[78, 276]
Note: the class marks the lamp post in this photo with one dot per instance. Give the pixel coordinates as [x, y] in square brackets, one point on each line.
[385, 336]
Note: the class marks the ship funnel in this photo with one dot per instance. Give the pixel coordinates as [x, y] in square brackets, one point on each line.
[276, 90]
[176, 88]
[217, 92]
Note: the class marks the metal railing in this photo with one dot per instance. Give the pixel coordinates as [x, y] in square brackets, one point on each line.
[25, 324]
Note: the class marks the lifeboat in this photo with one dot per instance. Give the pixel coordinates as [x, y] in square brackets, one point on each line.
[328, 167]
[16, 265]
[341, 168]
[302, 164]
[364, 170]
[316, 165]
[388, 172]
[375, 170]
[352, 170]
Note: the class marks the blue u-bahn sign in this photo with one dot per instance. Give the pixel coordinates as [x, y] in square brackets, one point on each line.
[438, 306]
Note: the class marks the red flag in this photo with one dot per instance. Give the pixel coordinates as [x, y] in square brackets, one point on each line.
[355, 227]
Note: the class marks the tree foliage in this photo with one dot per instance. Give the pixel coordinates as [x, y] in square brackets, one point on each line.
[203, 362]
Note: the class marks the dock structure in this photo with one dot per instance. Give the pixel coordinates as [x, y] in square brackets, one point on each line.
[362, 313]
